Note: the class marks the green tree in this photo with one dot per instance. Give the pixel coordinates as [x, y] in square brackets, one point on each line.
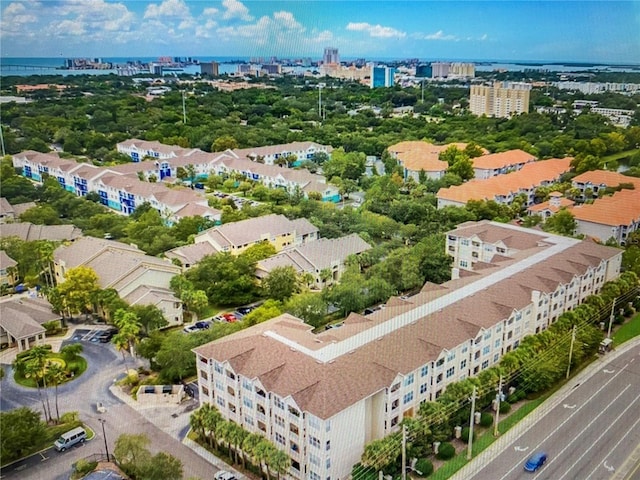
[562, 223]
[20, 429]
[381, 453]
[280, 283]
[77, 291]
[310, 307]
[162, 466]
[268, 310]
[150, 317]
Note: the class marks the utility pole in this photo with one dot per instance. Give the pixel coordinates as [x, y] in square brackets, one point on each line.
[611, 317]
[473, 408]
[422, 91]
[497, 419]
[404, 452]
[184, 110]
[573, 339]
[2, 141]
[106, 448]
[320, 100]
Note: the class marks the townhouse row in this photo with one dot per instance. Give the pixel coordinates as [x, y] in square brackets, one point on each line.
[124, 187]
[322, 397]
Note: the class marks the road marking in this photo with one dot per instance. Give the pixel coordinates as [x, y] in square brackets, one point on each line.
[607, 371]
[595, 442]
[43, 457]
[570, 407]
[632, 429]
[520, 449]
[602, 387]
[609, 467]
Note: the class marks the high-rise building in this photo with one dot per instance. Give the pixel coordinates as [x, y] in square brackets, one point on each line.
[440, 69]
[502, 99]
[210, 68]
[424, 70]
[462, 70]
[330, 56]
[382, 76]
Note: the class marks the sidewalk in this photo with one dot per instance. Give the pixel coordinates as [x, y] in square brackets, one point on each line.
[527, 422]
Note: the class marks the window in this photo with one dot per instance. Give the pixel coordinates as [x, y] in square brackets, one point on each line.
[487, 334]
[485, 364]
[220, 401]
[248, 420]
[314, 422]
[327, 446]
[450, 372]
[440, 362]
[451, 356]
[408, 380]
[204, 375]
[247, 384]
[439, 378]
[279, 420]
[497, 343]
[328, 463]
[314, 442]
[279, 403]
[279, 438]
[464, 263]
[496, 357]
[463, 364]
[408, 397]
[219, 385]
[218, 367]
[314, 476]
[247, 402]
[314, 459]
[423, 388]
[424, 371]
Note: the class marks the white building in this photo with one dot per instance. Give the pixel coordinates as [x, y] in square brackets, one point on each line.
[322, 397]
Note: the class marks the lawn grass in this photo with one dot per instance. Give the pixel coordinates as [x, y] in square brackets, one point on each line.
[619, 155]
[76, 366]
[627, 331]
[486, 439]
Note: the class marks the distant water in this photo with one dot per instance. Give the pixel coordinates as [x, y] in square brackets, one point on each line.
[26, 66]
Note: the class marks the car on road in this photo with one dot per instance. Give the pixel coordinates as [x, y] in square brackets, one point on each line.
[224, 475]
[535, 461]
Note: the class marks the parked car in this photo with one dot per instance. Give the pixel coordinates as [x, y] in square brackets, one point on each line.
[229, 317]
[535, 461]
[224, 475]
[106, 335]
[202, 325]
[190, 328]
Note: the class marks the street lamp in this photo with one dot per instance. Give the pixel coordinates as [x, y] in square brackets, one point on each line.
[104, 435]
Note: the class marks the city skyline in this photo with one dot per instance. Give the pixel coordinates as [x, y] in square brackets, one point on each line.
[578, 31]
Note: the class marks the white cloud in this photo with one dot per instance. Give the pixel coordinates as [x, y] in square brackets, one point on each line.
[484, 37]
[235, 9]
[168, 8]
[439, 35]
[375, 30]
[15, 18]
[210, 12]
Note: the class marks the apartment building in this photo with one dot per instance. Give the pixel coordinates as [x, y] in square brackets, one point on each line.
[612, 217]
[501, 99]
[552, 206]
[324, 254]
[594, 183]
[505, 188]
[416, 156]
[322, 397]
[119, 188]
[139, 149]
[138, 278]
[278, 230]
[486, 166]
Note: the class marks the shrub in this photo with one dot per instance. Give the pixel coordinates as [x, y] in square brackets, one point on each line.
[505, 407]
[83, 467]
[465, 435]
[425, 467]
[486, 419]
[446, 451]
[513, 398]
[521, 394]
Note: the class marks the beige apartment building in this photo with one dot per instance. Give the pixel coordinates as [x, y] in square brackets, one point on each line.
[502, 99]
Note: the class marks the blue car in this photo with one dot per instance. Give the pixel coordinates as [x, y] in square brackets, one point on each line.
[535, 461]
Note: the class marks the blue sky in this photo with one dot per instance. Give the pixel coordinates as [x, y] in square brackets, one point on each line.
[598, 31]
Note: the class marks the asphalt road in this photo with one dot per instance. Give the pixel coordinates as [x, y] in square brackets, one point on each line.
[105, 366]
[587, 435]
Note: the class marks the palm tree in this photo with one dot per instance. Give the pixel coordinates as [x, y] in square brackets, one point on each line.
[56, 375]
[280, 462]
[223, 433]
[263, 453]
[72, 351]
[32, 370]
[38, 357]
[249, 445]
[237, 434]
[196, 421]
[211, 418]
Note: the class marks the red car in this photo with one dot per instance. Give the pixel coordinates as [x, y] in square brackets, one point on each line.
[229, 317]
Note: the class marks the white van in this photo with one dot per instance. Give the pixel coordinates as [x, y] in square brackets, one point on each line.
[70, 438]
